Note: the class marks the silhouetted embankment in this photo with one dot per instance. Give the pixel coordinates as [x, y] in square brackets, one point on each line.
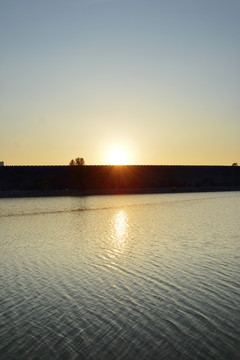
[21, 181]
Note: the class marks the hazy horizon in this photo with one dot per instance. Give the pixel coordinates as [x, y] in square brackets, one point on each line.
[120, 165]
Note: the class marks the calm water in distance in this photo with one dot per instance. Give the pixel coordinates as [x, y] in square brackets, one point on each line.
[120, 277]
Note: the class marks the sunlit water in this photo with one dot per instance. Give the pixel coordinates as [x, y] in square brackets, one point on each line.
[120, 277]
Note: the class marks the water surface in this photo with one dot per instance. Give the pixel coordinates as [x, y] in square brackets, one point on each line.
[120, 277]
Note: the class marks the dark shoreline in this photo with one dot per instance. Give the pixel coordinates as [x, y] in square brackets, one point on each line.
[128, 191]
[37, 181]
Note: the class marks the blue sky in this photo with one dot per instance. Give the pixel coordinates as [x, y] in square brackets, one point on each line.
[158, 79]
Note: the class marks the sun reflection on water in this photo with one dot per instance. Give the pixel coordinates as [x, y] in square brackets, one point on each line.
[119, 231]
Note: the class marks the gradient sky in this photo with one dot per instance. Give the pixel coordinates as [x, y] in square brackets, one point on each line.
[159, 78]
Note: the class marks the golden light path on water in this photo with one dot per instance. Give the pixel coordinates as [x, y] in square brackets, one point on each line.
[119, 231]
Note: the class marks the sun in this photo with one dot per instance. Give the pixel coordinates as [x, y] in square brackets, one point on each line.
[118, 156]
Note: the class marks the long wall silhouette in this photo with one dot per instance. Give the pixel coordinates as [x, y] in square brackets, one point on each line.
[103, 178]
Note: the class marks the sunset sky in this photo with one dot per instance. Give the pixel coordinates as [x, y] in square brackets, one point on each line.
[156, 79]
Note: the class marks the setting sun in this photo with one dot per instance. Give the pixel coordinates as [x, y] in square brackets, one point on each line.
[118, 157]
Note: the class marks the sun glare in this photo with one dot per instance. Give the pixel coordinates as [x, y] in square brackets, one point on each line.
[118, 157]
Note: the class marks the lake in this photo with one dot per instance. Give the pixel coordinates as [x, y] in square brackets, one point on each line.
[120, 277]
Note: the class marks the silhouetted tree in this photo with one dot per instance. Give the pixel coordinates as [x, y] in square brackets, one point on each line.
[77, 162]
[80, 161]
[72, 163]
[235, 164]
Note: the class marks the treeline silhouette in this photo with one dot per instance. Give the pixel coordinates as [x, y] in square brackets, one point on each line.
[83, 178]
